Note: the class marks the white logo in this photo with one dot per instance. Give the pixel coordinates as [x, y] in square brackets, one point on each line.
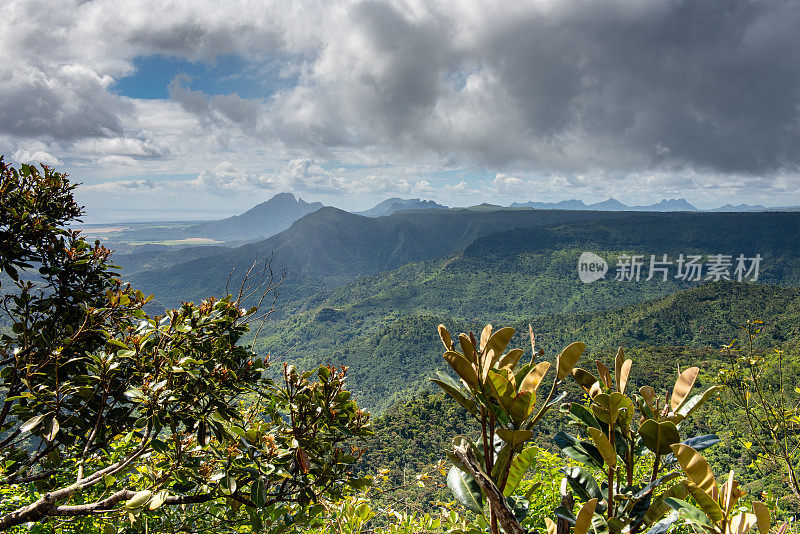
[591, 267]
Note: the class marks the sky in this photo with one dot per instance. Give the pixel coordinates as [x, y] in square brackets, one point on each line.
[200, 109]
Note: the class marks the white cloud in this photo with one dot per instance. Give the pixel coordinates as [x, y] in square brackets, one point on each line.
[36, 152]
[545, 97]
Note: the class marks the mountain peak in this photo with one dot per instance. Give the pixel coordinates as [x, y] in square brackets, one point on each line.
[392, 205]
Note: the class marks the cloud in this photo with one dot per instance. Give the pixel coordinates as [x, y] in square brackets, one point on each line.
[37, 153]
[661, 95]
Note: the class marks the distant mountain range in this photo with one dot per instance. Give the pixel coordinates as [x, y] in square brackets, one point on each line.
[262, 221]
[392, 205]
[612, 204]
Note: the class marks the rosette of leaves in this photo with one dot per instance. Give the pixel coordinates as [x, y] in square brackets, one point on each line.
[617, 432]
[716, 511]
[502, 395]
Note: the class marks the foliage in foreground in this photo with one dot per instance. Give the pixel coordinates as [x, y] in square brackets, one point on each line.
[115, 416]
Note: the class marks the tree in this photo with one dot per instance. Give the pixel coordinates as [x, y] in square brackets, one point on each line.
[108, 411]
[502, 397]
[762, 405]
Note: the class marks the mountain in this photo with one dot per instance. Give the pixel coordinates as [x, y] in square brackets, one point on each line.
[673, 204]
[331, 247]
[612, 204]
[391, 205]
[261, 221]
[368, 292]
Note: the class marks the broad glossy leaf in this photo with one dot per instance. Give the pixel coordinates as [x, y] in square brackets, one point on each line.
[579, 413]
[469, 404]
[584, 518]
[603, 374]
[582, 451]
[486, 333]
[604, 446]
[599, 525]
[649, 395]
[51, 429]
[709, 505]
[696, 468]
[619, 359]
[762, 517]
[568, 358]
[228, 484]
[663, 526]
[622, 381]
[690, 512]
[742, 523]
[139, 499]
[502, 388]
[258, 492]
[683, 386]
[550, 526]
[522, 407]
[519, 466]
[582, 483]
[659, 437]
[584, 378]
[511, 359]
[465, 489]
[731, 492]
[495, 346]
[534, 377]
[469, 349]
[445, 337]
[463, 368]
[31, 423]
[696, 401]
[501, 461]
[514, 437]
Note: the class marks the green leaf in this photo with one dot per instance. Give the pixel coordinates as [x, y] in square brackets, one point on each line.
[659, 437]
[158, 499]
[502, 388]
[568, 358]
[138, 500]
[582, 483]
[584, 518]
[514, 437]
[465, 489]
[52, 429]
[683, 387]
[691, 513]
[709, 505]
[31, 423]
[258, 492]
[228, 484]
[519, 466]
[696, 468]
[519, 506]
[457, 394]
[582, 451]
[463, 368]
[604, 446]
[696, 401]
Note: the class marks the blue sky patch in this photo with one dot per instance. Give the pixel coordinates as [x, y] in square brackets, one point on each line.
[230, 74]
